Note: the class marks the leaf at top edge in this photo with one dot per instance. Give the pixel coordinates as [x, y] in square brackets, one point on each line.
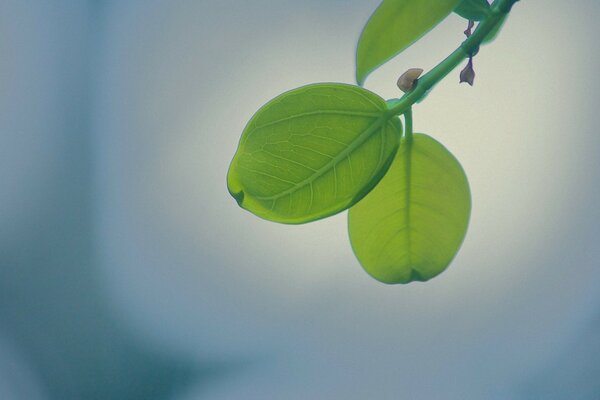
[473, 10]
[313, 152]
[394, 26]
[410, 227]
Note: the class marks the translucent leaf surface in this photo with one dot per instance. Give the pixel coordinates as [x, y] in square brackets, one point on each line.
[473, 10]
[395, 25]
[313, 152]
[410, 227]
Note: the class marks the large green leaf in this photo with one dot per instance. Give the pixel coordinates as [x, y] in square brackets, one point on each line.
[395, 25]
[473, 10]
[410, 227]
[313, 152]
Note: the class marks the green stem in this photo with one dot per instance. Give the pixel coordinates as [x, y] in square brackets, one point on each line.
[469, 47]
[408, 125]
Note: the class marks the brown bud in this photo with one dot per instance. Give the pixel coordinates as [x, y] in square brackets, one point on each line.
[468, 73]
[407, 80]
[469, 29]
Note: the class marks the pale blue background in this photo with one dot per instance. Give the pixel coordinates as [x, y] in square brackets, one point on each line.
[127, 271]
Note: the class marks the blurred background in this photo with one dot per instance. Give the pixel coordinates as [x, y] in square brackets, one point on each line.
[128, 272]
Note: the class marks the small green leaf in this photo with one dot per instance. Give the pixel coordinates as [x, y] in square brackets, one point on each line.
[473, 10]
[410, 227]
[313, 152]
[394, 26]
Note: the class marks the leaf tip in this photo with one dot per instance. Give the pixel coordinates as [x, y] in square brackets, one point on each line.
[238, 196]
[360, 79]
[234, 187]
[416, 276]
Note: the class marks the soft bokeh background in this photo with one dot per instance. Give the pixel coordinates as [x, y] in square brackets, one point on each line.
[127, 271]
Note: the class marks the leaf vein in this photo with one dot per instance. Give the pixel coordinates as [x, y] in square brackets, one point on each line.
[360, 139]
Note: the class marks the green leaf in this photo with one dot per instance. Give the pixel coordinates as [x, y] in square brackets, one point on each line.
[410, 227]
[313, 152]
[473, 10]
[394, 26]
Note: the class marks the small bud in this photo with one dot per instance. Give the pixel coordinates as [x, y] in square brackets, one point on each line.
[469, 29]
[468, 73]
[407, 80]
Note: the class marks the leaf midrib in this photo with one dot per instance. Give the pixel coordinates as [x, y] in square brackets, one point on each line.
[310, 114]
[366, 134]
